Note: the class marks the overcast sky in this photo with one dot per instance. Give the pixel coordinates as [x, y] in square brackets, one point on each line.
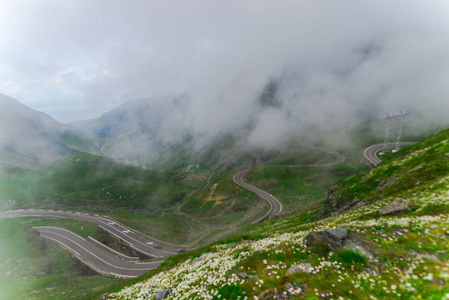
[77, 59]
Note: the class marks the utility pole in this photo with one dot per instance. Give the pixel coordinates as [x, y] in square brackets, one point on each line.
[394, 121]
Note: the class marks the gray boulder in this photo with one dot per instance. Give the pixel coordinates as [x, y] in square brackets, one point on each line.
[397, 206]
[162, 294]
[333, 238]
[340, 233]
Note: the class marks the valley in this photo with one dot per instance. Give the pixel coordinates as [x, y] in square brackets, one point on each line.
[109, 219]
[109, 216]
[205, 223]
[239, 150]
[97, 185]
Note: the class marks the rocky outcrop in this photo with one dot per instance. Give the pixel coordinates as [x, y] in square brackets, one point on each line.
[338, 204]
[397, 206]
[332, 238]
[340, 233]
[383, 185]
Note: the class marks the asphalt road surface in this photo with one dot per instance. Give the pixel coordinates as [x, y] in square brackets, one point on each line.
[137, 241]
[94, 256]
[370, 153]
[275, 205]
[339, 159]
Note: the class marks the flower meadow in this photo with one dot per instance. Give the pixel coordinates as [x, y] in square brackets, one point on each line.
[410, 262]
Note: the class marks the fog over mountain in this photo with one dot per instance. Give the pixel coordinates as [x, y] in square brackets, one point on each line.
[328, 63]
[28, 138]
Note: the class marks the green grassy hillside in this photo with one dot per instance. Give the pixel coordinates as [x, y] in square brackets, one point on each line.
[86, 180]
[398, 256]
[417, 171]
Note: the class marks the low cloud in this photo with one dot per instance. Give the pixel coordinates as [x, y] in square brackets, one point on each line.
[331, 61]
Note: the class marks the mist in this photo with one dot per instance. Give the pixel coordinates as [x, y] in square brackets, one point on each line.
[331, 62]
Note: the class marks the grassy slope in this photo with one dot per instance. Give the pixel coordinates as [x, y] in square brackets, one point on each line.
[420, 172]
[223, 207]
[168, 227]
[410, 249]
[297, 187]
[82, 179]
[222, 197]
[219, 198]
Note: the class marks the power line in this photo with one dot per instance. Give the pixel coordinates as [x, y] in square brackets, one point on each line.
[394, 120]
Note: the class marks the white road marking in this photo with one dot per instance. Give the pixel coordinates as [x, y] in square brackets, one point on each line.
[126, 235]
[64, 237]
[58, 241]
[139, 250]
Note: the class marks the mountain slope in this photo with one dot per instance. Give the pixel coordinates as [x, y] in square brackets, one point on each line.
[138, 116]
[401, 255]
[421, 170]
[131, 129]
[86, 180]
[28, 138]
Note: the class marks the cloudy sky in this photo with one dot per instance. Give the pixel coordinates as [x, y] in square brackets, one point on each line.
[77, 59]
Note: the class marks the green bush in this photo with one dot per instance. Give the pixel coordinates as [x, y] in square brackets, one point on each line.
[433, 210]
[349, 257]
[229, 291]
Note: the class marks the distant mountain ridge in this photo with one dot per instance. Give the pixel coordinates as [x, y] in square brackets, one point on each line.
[137, 116]
[28, 138]
[133, 129]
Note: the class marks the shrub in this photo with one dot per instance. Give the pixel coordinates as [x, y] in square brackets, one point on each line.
[349, 257]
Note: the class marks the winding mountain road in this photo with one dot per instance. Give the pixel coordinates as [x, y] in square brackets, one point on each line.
[105, 261]
[137, 241]
[94, 256]
[275, 204]
[339, 159]
[370, 153]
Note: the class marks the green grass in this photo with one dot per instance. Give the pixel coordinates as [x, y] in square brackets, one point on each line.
[222, 197]
[82, 179]
[413, 169]
[167, 227]
[349, 257]
[297, 187]
[80, 143]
